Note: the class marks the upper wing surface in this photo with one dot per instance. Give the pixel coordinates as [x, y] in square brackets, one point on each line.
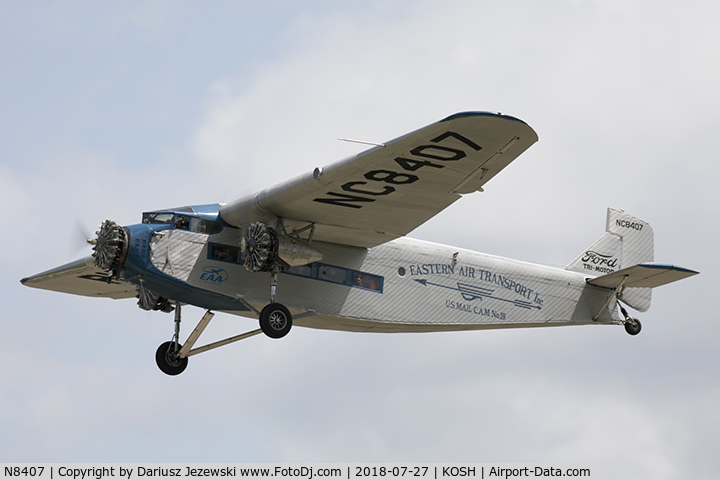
[81, 277]
[388, 191]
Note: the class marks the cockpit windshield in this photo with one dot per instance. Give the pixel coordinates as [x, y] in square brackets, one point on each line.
[182, 221]
[162, 217]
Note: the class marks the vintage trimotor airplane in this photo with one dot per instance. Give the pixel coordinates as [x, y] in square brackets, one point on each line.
[328, 250]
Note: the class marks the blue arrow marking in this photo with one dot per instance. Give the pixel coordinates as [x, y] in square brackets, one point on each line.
[473, 292]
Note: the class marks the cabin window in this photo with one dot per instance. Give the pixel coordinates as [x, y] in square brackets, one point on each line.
[368, 281]
[225, 253]
[302, 271]
[332, 274]
[339, 275]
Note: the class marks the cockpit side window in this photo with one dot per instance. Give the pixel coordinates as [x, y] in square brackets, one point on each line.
[197, 225]
[205, 226]
[182, 222]
[162, 218]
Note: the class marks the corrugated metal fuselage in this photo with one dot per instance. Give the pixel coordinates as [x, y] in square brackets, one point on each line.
[404, 285]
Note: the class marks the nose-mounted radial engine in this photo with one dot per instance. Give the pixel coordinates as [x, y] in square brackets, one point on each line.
[110, 248]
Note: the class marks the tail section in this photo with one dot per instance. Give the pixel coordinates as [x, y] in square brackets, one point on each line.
[627, 241]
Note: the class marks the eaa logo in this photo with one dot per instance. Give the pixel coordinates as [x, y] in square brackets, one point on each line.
[213, 275]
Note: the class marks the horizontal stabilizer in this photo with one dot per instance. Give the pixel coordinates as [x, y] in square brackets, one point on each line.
[643, 275]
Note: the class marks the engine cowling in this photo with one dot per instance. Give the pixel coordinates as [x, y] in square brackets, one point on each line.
[264, 247]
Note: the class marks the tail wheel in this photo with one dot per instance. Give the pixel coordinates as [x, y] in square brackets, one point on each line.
[168, 361]
[633, 326]
[275, 320]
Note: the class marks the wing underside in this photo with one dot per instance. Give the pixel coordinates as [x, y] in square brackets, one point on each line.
[388, 191]
[81, 277]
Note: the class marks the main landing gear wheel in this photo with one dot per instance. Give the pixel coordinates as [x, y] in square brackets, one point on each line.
[168, 361]
[275, 320]
[633, 326]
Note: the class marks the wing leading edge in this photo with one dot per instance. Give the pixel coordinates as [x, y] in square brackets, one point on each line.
[387, 191]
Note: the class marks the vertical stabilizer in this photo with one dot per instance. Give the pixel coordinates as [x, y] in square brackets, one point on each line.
[627, 241]
[638, 239]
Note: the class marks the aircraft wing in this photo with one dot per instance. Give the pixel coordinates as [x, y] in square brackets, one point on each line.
[643, 275]
[389, 190]
[81, 277]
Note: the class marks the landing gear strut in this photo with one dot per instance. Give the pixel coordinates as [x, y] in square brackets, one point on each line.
[275, 322]
[167, 356]
[172, 357]
[275, 318]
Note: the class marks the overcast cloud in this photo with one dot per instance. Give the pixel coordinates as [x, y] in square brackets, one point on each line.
[107, 110]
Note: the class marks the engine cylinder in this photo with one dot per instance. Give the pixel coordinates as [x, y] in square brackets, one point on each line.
[110, 248]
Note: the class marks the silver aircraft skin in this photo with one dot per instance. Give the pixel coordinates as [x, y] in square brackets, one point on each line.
[328, 250]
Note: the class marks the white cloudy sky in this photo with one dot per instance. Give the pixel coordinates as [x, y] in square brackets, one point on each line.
[108, 109]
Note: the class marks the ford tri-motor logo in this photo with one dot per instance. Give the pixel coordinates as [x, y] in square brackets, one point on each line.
[598, 262]
[213, 275]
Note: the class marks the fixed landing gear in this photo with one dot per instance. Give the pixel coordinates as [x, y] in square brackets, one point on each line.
[168, 358]
[275, 320]
[172, 357]
[632, 325]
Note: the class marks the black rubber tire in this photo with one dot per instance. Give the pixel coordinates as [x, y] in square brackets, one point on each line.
[633, 329]
[275, 320]
[168, 364]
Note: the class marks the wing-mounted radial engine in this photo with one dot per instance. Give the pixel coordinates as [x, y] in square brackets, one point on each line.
[110, 247]
[264, 248]
[267, 250]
